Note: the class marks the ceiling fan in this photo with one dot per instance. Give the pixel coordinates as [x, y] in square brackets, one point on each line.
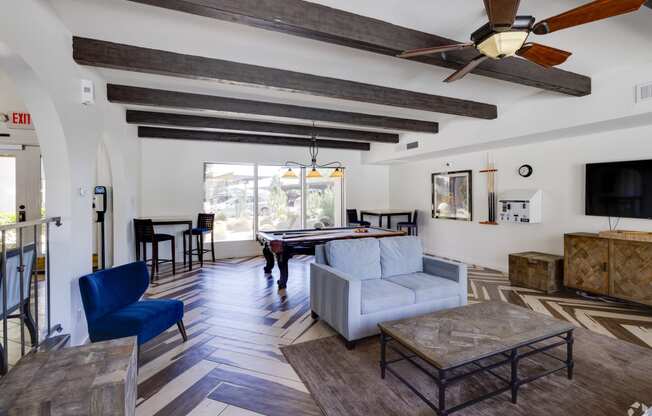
[506, 33]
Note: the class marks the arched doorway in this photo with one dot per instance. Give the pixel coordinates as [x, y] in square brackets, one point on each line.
[40, 66]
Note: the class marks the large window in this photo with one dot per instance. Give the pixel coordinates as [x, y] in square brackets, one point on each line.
[324, 201]
[229, 193]
[249, 198]
[279, 200]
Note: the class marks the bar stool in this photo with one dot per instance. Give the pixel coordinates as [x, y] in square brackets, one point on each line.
[144, 230]
[352, 219]
[204, 226]
[412, 226]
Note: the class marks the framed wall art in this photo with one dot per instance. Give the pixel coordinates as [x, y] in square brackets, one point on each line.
[452, 195]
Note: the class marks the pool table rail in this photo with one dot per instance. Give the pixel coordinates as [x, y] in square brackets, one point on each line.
[284, 244]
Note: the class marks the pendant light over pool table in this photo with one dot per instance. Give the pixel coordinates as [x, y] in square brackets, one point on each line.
[313, 173]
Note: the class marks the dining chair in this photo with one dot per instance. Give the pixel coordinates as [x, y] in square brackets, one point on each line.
[144, 229]
[352, 219]
[411, 226]
[204, 226]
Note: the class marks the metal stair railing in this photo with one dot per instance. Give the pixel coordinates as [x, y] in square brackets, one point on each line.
[25, 270]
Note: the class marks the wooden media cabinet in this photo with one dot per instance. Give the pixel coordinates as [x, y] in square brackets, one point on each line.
[608, 265]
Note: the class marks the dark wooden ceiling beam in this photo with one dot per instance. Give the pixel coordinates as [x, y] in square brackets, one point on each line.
[211, 136]
[134, 58]
[183, 100]
[315, 21]
[191, 121]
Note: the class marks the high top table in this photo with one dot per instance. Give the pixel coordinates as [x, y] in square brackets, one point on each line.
[454, 344]
[170, 221]
[389, 213]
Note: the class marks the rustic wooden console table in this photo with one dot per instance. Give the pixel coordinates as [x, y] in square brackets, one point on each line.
[91, 380]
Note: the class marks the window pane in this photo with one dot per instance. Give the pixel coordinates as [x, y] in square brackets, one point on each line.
[229, 193]
[7, 190]
[279, 200]
[324, 200]
[8, 194]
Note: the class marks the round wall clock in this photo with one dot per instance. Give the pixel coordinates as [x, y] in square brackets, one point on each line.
[525, 171]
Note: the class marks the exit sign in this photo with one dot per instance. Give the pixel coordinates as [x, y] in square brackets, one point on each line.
[20, 120]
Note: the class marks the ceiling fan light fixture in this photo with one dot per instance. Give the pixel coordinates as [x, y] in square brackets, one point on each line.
[502, 44]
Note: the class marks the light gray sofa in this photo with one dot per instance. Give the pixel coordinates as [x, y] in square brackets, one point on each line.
[355, 284]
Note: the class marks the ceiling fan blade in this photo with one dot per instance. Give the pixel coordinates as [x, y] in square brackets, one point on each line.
[590, 12]
[543, 55]
[501, 13]
[437, 49]
[462, 72]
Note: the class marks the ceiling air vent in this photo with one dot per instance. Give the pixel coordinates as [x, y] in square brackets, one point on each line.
[412, 145]
[644, 92]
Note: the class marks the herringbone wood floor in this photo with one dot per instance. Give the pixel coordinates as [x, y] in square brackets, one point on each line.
[236, 321]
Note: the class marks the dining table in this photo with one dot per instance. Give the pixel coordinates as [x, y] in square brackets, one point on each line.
[170, 220]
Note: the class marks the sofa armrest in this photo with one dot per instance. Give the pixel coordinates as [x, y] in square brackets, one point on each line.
[450, 270]
[336, 297]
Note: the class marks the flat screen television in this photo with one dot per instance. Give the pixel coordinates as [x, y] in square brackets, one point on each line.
[619, 189]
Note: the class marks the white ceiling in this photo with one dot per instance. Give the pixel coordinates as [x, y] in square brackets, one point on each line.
[599, 48]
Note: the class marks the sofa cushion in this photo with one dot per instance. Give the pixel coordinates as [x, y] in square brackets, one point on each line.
[426, 287]
[400, 255]
[359, 258]
[379, 294]
[146, 319]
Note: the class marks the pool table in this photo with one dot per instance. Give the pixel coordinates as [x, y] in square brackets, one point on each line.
[285, 244]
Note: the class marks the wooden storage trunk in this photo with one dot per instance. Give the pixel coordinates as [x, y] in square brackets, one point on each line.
[537, 271]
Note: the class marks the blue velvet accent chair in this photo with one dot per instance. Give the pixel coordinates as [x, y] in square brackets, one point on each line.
[114, 309]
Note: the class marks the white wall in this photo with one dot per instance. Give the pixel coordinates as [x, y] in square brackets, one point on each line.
[172, 178]
[558, 171]
[11, 101]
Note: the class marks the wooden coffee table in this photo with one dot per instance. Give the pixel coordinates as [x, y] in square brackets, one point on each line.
[474, 339]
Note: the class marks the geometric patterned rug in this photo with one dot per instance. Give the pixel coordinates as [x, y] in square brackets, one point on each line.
[236, 321]
[608, 317]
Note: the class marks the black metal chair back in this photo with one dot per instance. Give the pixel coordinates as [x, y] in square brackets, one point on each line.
[144, 230]
[205, 221]
[352, 215]
[414, 216]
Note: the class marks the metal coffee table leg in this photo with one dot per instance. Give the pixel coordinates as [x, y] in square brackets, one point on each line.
[383, 356]
[513, 358]
[569, 354]
[441, 384]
